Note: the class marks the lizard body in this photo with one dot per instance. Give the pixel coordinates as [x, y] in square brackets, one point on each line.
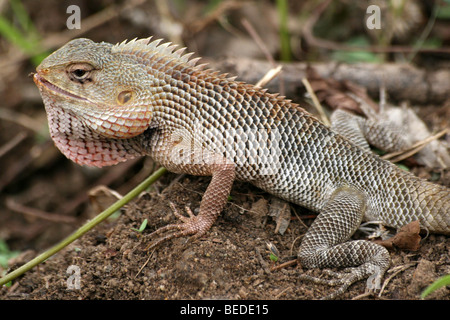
[108, 103]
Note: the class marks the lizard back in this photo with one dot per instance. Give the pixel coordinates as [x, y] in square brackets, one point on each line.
[281, 148]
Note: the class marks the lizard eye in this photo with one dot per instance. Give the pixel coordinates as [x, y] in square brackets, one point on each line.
[80, 72]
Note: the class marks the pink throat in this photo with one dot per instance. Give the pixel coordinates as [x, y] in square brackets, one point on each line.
[81, 144]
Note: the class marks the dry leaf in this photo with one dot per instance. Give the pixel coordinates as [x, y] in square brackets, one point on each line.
[407, 238]
[280, 211]
[335, 93]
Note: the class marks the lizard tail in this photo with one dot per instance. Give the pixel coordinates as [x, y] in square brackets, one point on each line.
[434, 206]
[411, 198]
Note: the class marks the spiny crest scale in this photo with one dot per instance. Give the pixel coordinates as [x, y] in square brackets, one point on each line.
[148, 48]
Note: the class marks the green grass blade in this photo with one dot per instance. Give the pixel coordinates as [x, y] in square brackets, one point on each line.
[285, 42]
[22, 17]
[439, 283]
[12, 34]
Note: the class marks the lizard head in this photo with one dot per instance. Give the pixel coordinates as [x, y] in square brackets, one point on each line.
[98, 101]
[105, 91]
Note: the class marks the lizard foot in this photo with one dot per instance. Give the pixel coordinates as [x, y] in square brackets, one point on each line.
[346, 278]
[192, 225]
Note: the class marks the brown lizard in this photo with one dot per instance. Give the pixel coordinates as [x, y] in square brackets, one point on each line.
[109, 103]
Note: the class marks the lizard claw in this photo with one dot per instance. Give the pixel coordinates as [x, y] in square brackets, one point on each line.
[346, 278]
[190, 226]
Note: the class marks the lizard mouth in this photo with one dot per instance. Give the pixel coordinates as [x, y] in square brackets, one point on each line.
[44, 83]
[110, 122]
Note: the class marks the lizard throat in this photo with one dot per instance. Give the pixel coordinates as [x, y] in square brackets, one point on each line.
[81, 144]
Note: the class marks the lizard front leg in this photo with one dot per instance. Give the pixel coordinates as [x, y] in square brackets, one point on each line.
[181, 157]
[325, 246]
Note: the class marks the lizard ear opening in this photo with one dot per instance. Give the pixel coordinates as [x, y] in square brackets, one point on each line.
[125, 96]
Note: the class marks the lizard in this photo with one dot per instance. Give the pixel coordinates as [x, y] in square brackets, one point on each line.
[108, 103]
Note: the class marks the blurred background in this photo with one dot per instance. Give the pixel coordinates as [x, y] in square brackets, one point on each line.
[44, 196]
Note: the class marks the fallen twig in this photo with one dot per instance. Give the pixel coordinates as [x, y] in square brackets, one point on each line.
[316, 102]
[276, 67]
[403, 154]
[11, 144]
[396, 271]
[20, 208]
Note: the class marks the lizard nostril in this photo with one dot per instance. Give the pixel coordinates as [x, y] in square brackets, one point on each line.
[124, 96]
